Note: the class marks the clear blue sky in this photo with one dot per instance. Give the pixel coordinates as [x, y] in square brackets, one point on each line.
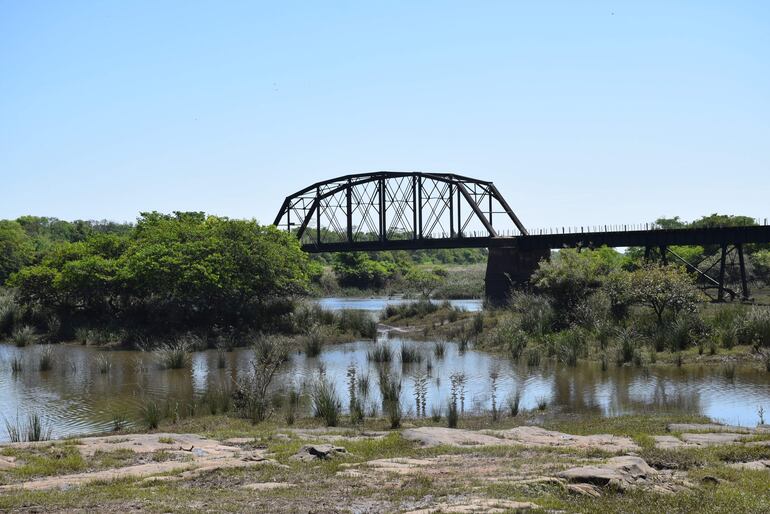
[581, 112]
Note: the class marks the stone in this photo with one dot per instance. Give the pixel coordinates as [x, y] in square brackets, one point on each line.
[670, 442]
[712, 438]
[311, 452]
[756, 465]
[474, 505]
[617, 471]
[435, 436]
[267, 486]
[584, 490]
[707, 427]
[7, 462]
[525, 436]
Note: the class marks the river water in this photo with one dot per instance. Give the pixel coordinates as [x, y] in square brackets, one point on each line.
[75, 398]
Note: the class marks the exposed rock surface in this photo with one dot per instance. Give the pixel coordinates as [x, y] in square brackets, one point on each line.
[525, 436]
[311, 452]
[194, 455]
[619, 472]
[7, 462]
[756, 464]
[711, 438]
[472, 505]
[708, 427]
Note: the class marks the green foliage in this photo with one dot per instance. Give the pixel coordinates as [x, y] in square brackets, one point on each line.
[425, 281]
[16, 249]
[667, 290]
[761, 263]
[570, 275]
[754, 328]
[250, 397]
[184, 270]
[357, 269]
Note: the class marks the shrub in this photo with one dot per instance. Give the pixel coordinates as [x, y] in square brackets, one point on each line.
[754, 328]
[10, 312]
[435, 413]
[250, 397]
[357, 322]
[536, 313]
[326, 403]
[439, 349]
[452, 415]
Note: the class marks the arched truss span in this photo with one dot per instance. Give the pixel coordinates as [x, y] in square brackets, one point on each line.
[388, 209]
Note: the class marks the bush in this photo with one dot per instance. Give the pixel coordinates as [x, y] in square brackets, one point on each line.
[151, 414]
[755, 327]
[250, 397]
[45, 362]
[536, 313]
[314, 341]
[357, 322]
[409, 354]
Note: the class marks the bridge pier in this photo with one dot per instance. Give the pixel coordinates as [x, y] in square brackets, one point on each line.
[510, 268]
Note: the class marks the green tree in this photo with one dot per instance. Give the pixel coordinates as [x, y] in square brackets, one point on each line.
[425, 281]
[667, 290]
[16, 249]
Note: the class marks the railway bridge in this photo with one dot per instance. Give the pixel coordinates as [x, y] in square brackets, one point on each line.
[388, 210]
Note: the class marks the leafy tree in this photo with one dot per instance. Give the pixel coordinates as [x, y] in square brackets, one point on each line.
[356, 269]
[425, 281]
[571, 275]
[16, 249]
[761, 263]
[667, 290]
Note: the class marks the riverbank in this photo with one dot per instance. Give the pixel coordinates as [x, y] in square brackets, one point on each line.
[534, 461]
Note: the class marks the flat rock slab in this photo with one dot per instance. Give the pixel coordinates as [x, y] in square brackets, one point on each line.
[712, 438]
[267, 486]
[536, 436]
[619, 471]
[524, 436]
[435, 436]
[7, 462]
[708, 427]
[756, 465]
[476, 505]
[670, 442]
[198, 455]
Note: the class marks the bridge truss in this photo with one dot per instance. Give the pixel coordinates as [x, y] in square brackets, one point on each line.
[385, 209]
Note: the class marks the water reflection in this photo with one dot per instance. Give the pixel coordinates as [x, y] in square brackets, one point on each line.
[379, 304]
[77, 398]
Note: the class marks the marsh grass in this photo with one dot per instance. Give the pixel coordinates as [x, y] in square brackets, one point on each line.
[16, 364]
[33, 429]
[326, 402]
[390, 390]
[357, 322]
[45, 359]
[513, 401]
[314, 341]
[409, 354]
[542, 403]
[381, 352]
[439, 349]
[728, 371]
[103, 364]
[174, 354]
[24, 336]
[221, 358]
[150, 413]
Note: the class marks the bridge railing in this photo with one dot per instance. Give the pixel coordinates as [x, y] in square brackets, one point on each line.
[611, 228]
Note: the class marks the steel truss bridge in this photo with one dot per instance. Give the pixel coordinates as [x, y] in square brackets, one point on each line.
[388, 210]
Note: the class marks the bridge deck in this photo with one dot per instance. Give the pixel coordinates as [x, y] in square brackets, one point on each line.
[658, 237]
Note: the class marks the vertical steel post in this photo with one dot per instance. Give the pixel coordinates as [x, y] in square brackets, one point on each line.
[419, 205]
[663, 255]
[742, 263]
[722, 263]
[318, 216]
[451, 212]
[647, 251]
[459, 216]
[414, 206]
[350, 212]
[382, 209]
